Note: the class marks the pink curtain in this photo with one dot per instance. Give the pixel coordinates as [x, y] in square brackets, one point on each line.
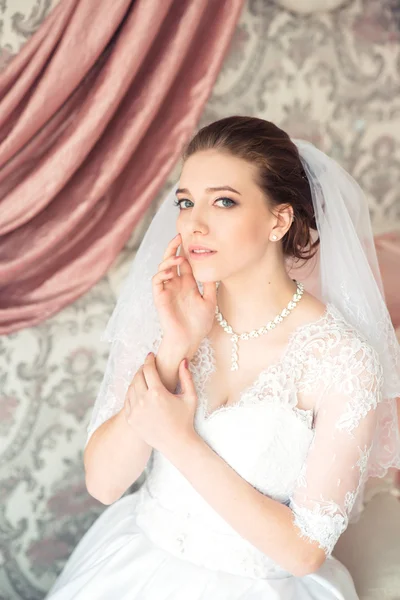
[94, 112]
[388, 250]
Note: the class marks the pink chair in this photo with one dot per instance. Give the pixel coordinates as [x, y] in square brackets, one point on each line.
[388, 250]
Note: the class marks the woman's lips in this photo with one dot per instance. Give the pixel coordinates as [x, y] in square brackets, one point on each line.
[201, 255]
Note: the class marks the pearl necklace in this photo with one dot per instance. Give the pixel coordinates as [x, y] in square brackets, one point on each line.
[235, 337]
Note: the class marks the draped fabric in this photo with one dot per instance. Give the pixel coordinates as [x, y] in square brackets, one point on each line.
[94, 112]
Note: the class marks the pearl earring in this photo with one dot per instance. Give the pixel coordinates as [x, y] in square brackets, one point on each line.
[274, 237]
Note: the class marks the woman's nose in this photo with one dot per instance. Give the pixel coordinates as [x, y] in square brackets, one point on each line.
[199, 228]
[198, 225]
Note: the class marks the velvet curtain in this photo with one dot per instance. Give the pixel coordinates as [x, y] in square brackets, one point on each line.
[94, 112]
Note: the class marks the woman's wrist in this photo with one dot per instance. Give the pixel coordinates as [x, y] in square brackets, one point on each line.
[188, 444]
[168, 360]
[172, 352]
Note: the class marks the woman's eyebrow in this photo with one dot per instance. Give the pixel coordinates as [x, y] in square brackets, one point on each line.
[210, 189]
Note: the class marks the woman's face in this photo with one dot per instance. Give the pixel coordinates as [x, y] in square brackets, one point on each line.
[223, 209]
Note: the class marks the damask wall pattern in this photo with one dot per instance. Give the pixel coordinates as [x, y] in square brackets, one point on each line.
[19, 19]
[332, 78]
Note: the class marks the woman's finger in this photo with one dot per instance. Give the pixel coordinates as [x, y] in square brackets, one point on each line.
[184, 267]
[172, 247]
[139, 383]
[159, 279]
[136, 390]
[170, 252]
[150, 372]
[210, 292]
[171, 263]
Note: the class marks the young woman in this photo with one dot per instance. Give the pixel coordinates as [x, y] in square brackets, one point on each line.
[265, 407]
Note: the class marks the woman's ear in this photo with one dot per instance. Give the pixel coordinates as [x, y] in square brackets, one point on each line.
[284, 219]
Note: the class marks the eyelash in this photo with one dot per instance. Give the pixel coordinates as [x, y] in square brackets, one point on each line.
[179, 202]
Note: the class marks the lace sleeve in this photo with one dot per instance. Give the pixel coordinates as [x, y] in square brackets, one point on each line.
[335, 470]
[120, 369]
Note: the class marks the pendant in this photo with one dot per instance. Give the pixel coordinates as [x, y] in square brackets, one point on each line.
[235, 352]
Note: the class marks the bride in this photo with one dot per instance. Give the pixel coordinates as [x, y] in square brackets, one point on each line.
[264, 400]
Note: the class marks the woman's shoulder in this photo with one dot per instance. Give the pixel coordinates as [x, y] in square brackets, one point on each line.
[333, 339]
[333, 358]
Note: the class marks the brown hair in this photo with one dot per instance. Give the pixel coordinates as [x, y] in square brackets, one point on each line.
[280, 172]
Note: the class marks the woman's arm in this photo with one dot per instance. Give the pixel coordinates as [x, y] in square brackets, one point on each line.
[114, 459]
[266, 523]
[115, 456]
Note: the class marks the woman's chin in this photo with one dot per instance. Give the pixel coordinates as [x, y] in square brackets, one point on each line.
[205, 274]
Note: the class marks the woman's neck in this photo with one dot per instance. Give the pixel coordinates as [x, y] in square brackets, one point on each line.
[247, 302]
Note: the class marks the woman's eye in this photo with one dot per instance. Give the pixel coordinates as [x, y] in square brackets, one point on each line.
[232, 202]
[179, 203]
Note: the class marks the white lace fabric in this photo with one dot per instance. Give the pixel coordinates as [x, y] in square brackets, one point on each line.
[314, 461]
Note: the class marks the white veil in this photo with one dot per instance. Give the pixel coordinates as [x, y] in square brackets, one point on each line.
[347, 273]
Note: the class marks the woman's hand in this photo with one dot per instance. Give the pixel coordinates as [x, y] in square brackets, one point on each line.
[186, 316]
[163, 420]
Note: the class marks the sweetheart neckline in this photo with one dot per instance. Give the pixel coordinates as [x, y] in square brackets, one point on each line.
[275, 365]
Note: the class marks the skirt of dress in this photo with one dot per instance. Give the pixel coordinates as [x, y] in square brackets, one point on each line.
[116, 561]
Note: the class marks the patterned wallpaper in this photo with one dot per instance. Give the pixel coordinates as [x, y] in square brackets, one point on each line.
[19, 19]
[333, 78]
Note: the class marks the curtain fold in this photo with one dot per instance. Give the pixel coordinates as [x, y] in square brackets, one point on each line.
[94, 112]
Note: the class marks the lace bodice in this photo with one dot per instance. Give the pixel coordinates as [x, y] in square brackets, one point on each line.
[314, 461]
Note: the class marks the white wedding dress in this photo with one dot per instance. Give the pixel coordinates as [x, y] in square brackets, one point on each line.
[165, 542]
